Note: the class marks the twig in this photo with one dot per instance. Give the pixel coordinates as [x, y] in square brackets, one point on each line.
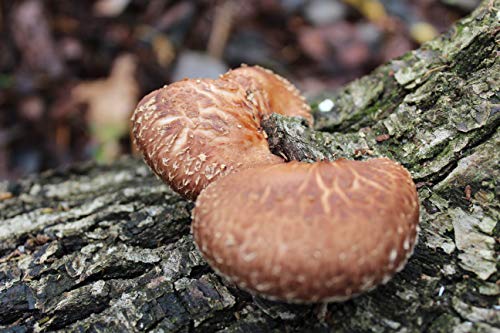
[221, 29]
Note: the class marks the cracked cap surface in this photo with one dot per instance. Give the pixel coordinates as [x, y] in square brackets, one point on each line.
[194, 131]
[309, 232]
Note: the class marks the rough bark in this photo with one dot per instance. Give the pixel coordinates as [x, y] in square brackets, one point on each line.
[107, 248]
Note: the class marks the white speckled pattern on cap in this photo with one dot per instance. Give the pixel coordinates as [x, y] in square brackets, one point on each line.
[309, 232]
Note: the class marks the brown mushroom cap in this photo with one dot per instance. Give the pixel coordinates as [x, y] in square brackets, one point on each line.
[309, 232]
[194, 131]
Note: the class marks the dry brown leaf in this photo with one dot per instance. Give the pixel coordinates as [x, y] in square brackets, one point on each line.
[110, 7]
[110, 104]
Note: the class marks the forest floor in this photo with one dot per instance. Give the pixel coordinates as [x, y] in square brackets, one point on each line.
[71, 72]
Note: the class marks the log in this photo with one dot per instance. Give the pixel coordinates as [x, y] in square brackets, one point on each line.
[108, 247]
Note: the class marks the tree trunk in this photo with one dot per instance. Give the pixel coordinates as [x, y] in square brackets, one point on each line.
[107, 248]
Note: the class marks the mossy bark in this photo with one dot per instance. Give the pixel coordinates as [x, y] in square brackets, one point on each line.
[107, 248]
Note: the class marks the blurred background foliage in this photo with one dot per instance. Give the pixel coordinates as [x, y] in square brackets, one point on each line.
[71, 72]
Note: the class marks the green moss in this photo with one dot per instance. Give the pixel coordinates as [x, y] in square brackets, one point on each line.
[443, 323]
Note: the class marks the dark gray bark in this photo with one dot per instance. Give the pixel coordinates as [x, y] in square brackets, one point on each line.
[107, 248]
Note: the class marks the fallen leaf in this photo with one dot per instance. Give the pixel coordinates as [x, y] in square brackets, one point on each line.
[422, 32]
[110, 104]
[110, 8]
[5, 195]
[373, 10]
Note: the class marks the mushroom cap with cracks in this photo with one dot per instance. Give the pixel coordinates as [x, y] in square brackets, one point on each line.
[194, 131]
[309, 232]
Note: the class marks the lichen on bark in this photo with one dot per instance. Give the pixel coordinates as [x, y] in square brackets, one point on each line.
[107, 248]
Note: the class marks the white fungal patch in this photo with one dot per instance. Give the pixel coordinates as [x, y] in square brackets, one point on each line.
[401, 266]
[393, 255]
[326, 105]
[165, 121]
[361, 260]
[211, 171]
[248, 257]
[263, 286]
[181, 141]
[282, 249]
[219, 260]
[314, 298]
[414, 204]
[367, 282]
[336, 299]
[386, 278]
[406, 244]
[234, 278]
[290, 295]
[252, 196]
[230, 240]
[197, 165]
[276, 270]
[334, 281]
